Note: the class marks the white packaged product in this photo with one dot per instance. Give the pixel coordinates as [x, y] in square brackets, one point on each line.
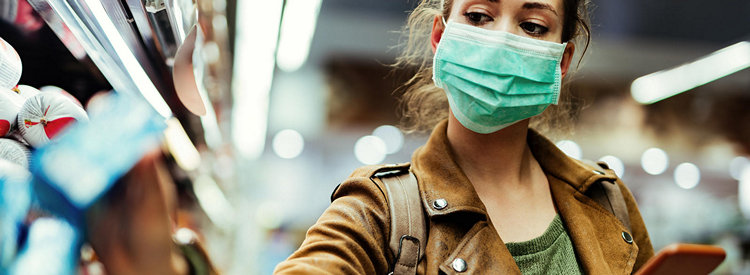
[55, 89]
[14, 152]
[10, 105]
[26, 91]
[46, 115]
[10, 65]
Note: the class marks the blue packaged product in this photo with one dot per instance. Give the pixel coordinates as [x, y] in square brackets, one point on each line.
[15, 200]
[52, 247]
[78, 168]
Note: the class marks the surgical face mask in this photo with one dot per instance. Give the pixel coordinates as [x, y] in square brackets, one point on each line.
[494, 78]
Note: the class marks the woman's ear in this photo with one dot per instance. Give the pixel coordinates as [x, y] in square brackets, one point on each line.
[570, 49]
[437, 32]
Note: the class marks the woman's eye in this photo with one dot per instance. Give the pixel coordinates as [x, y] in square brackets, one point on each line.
[534, 29]
[477, 18]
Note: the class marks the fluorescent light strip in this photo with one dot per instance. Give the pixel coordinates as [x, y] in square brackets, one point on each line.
[178, 142]
[664, 84]
[132, 66]
[69, 20]
[254, 62]
[213, 201]
[177, 20]
[297, 29]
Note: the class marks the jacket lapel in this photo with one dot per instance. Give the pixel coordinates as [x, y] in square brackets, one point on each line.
[457, 218]
[597, 234]
[460, 228]
[482, 250]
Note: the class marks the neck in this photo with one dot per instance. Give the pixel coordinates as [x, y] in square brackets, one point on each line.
[494, 161]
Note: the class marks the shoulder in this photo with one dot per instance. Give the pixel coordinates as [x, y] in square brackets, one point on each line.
[604, 167]
[367, 178]
[352, 234]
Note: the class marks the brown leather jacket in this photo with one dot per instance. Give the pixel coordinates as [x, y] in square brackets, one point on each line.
[351, 237]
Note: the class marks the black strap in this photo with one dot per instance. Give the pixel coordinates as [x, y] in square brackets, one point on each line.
[609, 196]
[408, 228]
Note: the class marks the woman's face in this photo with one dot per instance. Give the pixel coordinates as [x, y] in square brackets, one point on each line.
[539, 19]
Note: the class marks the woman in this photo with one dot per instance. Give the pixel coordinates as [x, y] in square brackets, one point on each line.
[498, 197]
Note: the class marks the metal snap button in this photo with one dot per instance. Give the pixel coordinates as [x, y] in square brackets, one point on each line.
[599, 172]
[439, 204]
[626, 236]
[459, 265]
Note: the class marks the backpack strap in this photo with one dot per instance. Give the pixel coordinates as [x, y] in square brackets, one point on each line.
[408, 228]
[609, 196]
[616, 202]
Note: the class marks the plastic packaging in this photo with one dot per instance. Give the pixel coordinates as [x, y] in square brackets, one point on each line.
[10, 105]
[15, 200]
[10, 65]
[46, 115]
[52, 247]
[55, 89]
[26, 91]
[85, 161]
[14, 152]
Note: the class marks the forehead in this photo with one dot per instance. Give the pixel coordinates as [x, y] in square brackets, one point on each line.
[556, 5]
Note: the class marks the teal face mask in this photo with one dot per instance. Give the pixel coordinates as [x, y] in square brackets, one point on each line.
[494, 78]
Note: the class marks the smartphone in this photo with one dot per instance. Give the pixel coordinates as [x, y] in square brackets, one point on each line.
[684, 259]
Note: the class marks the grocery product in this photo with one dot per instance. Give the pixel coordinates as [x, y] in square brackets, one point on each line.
[10, 65]
[26, 91]
[10, 105]
[14, 152]
[46, 115]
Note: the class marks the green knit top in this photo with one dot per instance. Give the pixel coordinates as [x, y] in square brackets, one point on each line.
[550, 253]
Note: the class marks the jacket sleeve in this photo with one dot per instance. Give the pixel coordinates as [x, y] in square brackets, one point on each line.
[638, 228]
[350, 236]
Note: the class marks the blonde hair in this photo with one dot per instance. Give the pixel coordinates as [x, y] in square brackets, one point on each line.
[423, 104]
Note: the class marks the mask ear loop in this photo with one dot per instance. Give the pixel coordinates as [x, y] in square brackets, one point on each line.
[442, 8]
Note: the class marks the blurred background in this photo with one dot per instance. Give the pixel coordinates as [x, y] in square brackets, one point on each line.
[299, 94]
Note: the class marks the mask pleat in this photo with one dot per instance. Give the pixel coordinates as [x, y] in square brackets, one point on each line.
[493, 79]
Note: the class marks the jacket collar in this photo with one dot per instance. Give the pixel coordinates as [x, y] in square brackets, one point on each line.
[556, 163]
[440, 177]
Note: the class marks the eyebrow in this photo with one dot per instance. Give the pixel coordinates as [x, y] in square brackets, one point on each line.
[537, 5]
